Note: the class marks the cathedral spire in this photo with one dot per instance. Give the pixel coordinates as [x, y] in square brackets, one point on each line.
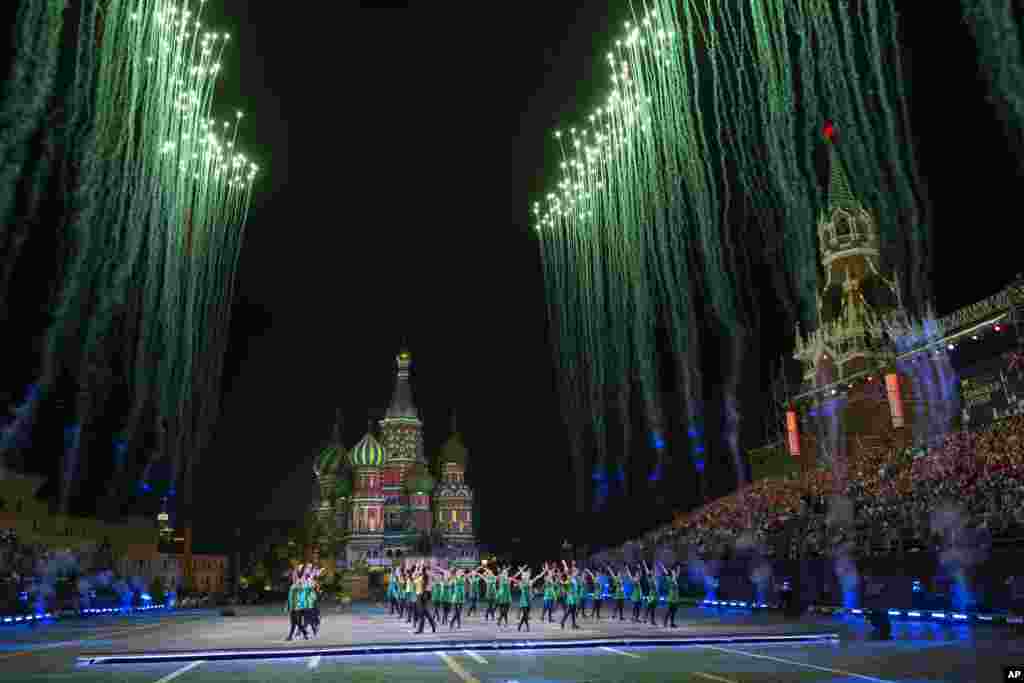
[401, 402]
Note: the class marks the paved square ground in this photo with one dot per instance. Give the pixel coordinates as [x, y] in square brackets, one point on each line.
[918, 652]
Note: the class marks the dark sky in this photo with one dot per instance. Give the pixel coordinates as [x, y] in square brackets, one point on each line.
[400, 150]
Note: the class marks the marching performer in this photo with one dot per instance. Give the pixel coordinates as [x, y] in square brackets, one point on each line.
[673, 598]
[296, 606]
[525, 595]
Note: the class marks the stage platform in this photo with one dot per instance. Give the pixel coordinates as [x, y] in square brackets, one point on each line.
[259, 633]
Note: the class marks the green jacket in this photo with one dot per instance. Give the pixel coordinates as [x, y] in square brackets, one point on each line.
[673, 592]
[572, 592]
[525, 593]
[298, 597]
[457, 592]
[504, 596]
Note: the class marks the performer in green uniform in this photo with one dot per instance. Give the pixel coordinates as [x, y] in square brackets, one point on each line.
[637, 594]
[491, 582]
[584, 590]
[597, 593]
[673, 599]
[525, 596]
[305, 597]
[423, 589]
[549, 593]
[560, 590]
[456, 596]
[297, 604]
[392, 594]
[618, 592]
[474, 591]
[572, 595]
[410, 596]
[651, 598]
[314, 600]
[504, 595]
[437, 593]
[446, 599]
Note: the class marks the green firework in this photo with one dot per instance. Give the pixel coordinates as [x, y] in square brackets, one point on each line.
[156, 206]
[702, 162]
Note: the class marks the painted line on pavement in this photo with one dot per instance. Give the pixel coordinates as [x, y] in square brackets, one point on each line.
[475, 657]
[712, 677]
[174, 674]
[826, 669]
[622, 652]
[457, 669]
[314, 663]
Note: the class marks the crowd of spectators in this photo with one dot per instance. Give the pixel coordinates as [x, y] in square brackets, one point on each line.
[35, 576]
[887, 501]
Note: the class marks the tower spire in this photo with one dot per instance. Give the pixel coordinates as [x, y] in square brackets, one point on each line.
[455, 428]
[840, 194]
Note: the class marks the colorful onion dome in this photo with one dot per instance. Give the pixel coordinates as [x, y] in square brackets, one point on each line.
[419, 481]
[454, 450]
[367, 453]
[330, 460]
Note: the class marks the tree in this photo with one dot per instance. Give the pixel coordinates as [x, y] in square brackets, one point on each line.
[256, 576]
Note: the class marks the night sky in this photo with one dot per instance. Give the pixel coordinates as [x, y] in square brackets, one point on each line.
[400, 150]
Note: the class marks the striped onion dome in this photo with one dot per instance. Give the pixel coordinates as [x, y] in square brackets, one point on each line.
[367, 453]
[330, 460]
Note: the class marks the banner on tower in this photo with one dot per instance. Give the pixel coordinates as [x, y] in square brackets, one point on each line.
[991, 390]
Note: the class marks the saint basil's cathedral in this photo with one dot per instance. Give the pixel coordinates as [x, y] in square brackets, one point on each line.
[380, 501]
